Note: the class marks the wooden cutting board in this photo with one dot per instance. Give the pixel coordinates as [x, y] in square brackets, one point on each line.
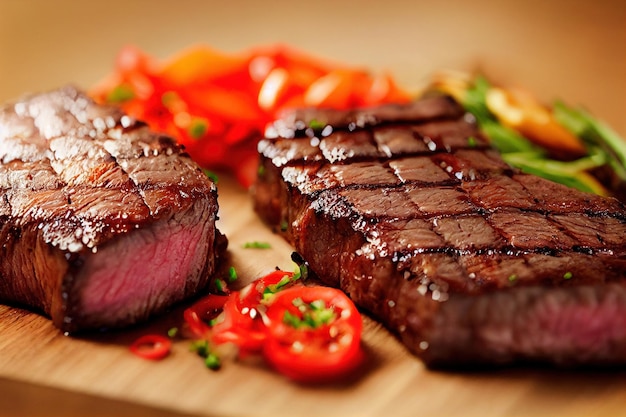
[100, 371]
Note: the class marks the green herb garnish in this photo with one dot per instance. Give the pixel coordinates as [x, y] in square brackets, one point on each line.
[274, 288]
[169, 97]
[232, 274]
[172, 332]
[568, 275]
[201, 347]
[211, 360]
[604, 145]
[314, 314]
[257, 245]
[301, 272]
[120, 94]
[594, 132]
[316, 124]
[198, 128]
[219, 285]
[212, 175]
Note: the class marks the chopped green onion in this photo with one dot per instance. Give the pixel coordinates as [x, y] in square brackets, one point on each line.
[198, 128]
[169, 97]
[232, 274]
[212, 175]
[219, 285]
[274, 288]
[213, 362]
[567, 275]
[292, 320]
[172, 332]
[257, 245]
[314, 314]
[316, 124]
[120, 94]
[301, 271]
[201, 347]
[512, 278]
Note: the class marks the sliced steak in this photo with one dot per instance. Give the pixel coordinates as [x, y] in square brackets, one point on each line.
[103, 222]
[467, 260]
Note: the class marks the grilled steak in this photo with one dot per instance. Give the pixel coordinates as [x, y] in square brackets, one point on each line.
[103, 223]
[467, 260]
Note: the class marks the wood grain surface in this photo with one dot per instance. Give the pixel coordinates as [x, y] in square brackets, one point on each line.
[43, 372]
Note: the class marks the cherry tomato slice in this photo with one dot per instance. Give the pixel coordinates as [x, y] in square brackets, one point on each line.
[151, 346]
[325, 353]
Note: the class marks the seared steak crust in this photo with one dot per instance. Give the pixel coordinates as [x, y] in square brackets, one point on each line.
[467, 260]
[103, 222]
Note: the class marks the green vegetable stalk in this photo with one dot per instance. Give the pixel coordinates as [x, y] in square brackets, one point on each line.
[605, 146]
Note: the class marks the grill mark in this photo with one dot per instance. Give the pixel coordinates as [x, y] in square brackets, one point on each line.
[473, 173]
[498, 170]
[380, 156]
[99, 129]
[299, 122]
[88, 128]
[508, 250]
[136, 188]
[482, 211]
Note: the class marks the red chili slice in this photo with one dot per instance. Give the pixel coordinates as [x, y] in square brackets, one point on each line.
[151, 346]
[197, 316]
[242, 326]
[310, 334]
[313, 355]
[251, 295]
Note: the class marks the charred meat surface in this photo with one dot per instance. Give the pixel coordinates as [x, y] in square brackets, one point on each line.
[467, 260]
[103, 223]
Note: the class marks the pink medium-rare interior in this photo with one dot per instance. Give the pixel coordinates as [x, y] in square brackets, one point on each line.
[144, 271]
[568, 324]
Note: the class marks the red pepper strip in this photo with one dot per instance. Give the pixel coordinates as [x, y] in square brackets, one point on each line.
[151, 346]
[233, 96]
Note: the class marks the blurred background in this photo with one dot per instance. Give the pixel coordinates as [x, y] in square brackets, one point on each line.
[569, 49]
